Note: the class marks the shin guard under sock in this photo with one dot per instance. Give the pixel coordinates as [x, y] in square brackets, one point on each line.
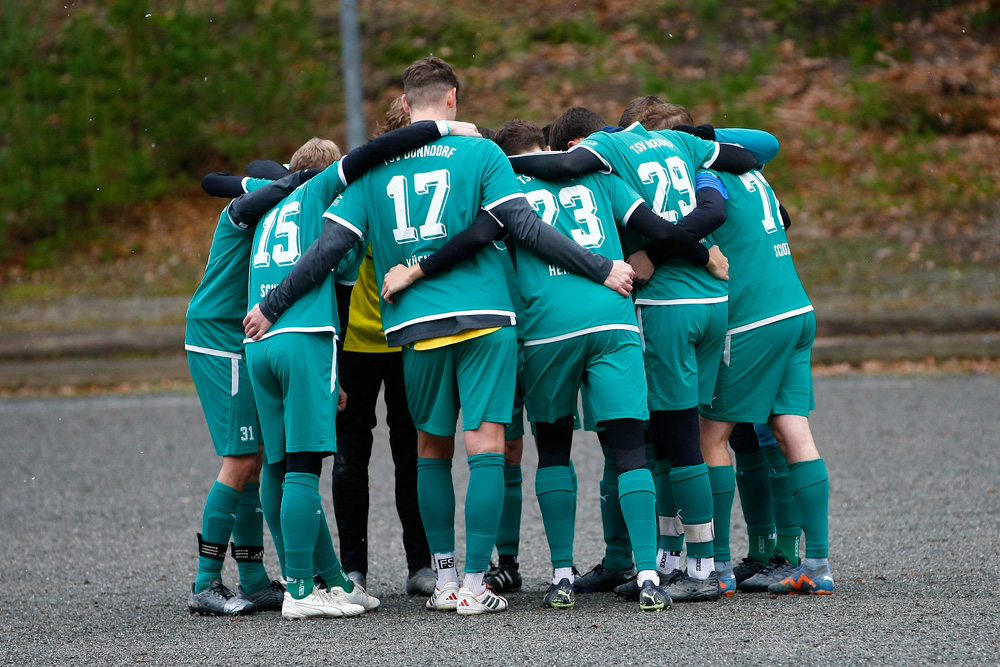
[618, 547]
[811, 489]
[787, 521]
[272, 477]
[248, 536]
[483, 505]
[693, 495]
[753, 481]
[554, 489]
[723, 481]
[436, 499]
[638, 502]
[300, 517]
[509, 532]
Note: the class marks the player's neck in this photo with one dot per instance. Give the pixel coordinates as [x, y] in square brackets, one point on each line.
[435, 112]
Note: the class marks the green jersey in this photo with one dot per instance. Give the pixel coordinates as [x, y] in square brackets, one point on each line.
[660, 166]
[281, 237]
[215, 314]
[559, 304]
[408, 208]
[763, 284]
[512, 288]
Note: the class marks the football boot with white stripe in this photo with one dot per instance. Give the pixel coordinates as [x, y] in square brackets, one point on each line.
[487, 602]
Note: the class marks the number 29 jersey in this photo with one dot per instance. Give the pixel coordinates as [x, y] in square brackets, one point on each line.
[409, 207]
[660, 166]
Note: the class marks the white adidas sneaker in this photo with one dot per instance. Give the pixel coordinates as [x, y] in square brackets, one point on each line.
[358, 596]
[318, 604]
[444, 599]
[486, 602]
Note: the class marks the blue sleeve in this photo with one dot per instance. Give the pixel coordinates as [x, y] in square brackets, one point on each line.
[763, 145]
[706, 179]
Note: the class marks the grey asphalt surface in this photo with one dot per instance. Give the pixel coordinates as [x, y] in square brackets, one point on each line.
[100, 499]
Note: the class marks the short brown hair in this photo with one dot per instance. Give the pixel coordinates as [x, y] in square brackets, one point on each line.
[519, 136]
[664, 116]
[575, 122]
[636, 107]
[395, 118]
[428, 80]
[315, 154]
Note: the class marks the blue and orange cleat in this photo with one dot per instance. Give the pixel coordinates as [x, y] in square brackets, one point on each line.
[727, 581]
[805, 580]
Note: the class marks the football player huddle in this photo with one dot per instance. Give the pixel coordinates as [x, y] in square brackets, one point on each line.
[641, 270]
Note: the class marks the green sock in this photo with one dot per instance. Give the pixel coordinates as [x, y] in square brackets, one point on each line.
[436, 500]
[618, 547]
[723, 481]
[754, 483]
[787, 522]
[693, 494]
[638, 501]
[572, 475]
[554, 489]
[509, 532]
[325, 561]
[216, 527]
[666, 505]
[811, 490]
[272, 477]
[248, 531]
[482, 510]
[300, 514]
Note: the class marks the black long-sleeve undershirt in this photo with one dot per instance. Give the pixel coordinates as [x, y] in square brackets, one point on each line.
[708, 215]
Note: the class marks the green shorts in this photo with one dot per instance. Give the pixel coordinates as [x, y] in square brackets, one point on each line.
[475, 375]
[294, 379]
[765, 371]
[683, 345]
[515, 429]
[223, 386]
[606, 365]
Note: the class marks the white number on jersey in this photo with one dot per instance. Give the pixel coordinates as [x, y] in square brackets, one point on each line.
[754, 181]
[438, 181]
[280, 224]
[580, 200]
[674, 175]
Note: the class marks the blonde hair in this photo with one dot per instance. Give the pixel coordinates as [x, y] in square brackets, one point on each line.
[315, 154]
[395, 118]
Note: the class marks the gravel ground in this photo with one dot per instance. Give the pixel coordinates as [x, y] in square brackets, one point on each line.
[102, 496]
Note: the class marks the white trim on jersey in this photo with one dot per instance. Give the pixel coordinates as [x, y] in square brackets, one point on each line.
[235, 389]
[770, 320]
[583, 332]
[715, 156]
[211, 352]
[346, 283]
[326, 329]
[642, 333]
[443, 127]
[333, 371]
[340, 172]
[681, 302]
[459, 313]
[345, 223]
[504, 200]
[243, 184]
[607, 165]
[631, 210]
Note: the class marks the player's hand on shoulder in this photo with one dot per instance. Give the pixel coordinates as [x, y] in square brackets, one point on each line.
[457, 128]
[718, 264]
[620, 278]
[642, 266]
[255, 324]
[398, 279]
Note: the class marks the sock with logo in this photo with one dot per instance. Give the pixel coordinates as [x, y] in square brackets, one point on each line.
[811, 490]
[618, 549]
[554, 489]
[436, 500]
[509, 532]
[788, 523]
[300, 516]
[753, 481]
[248, 531]
[216, 526]
[723, 481]
[272, 477]
[638, 501]
[444, 566]
[483, 505]
[700, 568]
[325, 561]
[671, 540]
